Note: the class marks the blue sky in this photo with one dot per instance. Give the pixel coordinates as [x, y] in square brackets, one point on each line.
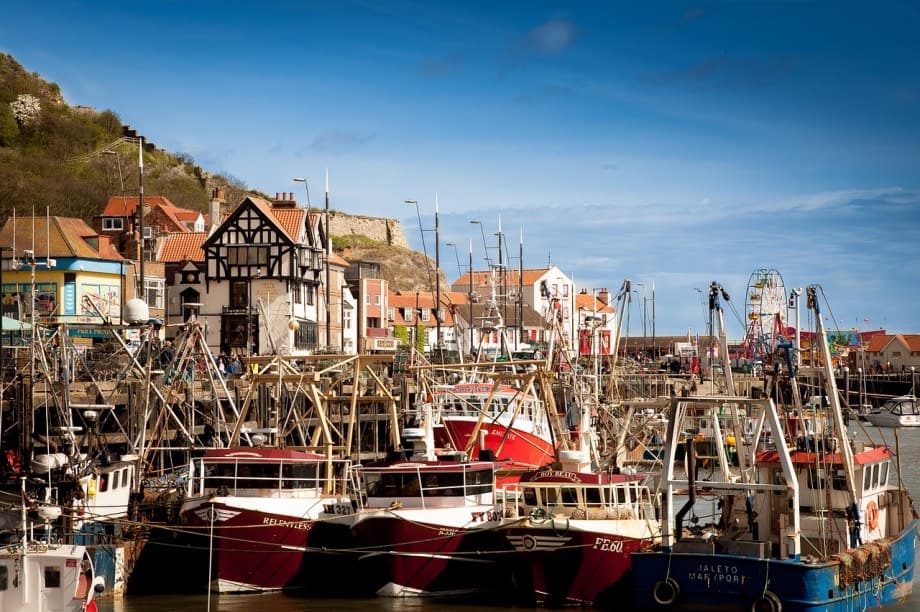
[676, 144]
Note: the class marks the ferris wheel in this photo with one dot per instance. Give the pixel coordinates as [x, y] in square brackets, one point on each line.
[765, 305]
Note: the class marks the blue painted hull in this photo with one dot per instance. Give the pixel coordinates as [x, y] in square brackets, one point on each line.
[735, 582]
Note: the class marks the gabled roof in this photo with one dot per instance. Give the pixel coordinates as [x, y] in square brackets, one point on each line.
[289, 220]
[56, 237]
[177, 247]
[398, 301]
[511, 277]
[126, 206]
[880, 342]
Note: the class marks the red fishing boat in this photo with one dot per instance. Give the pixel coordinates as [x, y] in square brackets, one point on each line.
[264, 511]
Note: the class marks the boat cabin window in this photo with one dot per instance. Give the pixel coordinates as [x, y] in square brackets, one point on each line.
[593, 497]
[875, 476]
[242, 475]
[4, 577]
[52, 577]
[433, 484]
[300, 475]
[103, 483]
[817, 479]
[530, 496]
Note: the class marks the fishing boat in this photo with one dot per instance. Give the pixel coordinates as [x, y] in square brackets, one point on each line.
[575, 529]
[429, 526]
[264, 511]
[507, 421]
[804, 523]
[900, 411]
[40, 574]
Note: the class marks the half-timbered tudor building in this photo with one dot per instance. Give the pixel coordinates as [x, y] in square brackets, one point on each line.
[263, 268]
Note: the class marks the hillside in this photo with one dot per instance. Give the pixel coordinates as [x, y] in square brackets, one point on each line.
[68, 160]
[56, 158]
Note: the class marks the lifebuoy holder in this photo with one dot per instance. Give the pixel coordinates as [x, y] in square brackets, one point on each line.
[665, 592]
[872, 515]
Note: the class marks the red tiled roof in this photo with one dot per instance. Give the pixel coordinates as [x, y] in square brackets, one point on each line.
[116, 205]
[424, 299]
[511, 277]
[179, 247]
[55, 237]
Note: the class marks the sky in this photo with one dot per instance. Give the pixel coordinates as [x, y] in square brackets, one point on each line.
[674, 144]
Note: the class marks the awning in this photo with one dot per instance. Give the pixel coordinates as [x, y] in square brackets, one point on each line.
[11, 324]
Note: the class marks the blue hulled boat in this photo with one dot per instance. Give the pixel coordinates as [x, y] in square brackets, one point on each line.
[810, 519]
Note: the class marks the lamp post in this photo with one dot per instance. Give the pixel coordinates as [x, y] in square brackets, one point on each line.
[140, 217]
[328, 257]
[250, 348]
[3, 260]
[485, 247]
[342, 290]
[456, 256]
[421, 231]
[471, 297]
[124, 205]
[644, 311]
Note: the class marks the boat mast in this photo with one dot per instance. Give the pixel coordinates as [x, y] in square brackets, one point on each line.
[846, 451]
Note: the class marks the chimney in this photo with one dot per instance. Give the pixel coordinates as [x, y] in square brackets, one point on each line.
[214, 208]
[285, 199]
[604, 296]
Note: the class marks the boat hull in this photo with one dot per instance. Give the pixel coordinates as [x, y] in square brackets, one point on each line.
[255, 551]
[406, 556]
[737, 582]
[565, 563]
[523, 447]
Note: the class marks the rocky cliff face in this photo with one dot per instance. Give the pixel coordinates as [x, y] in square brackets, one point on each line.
[378, 229]
[361, 238]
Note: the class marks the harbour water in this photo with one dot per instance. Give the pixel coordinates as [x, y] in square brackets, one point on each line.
[908, 443]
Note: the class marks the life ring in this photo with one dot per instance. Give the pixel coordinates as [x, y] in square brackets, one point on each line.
[665, 592]
[872, 515]
[768, 602]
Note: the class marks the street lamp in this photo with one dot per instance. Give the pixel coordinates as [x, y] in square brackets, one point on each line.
[250, 348]
[124, 205]
[457, 256]
[485, 247]
[342, 291]
[421, 231]
[644, 314]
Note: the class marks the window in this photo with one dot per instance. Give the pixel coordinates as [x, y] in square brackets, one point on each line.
[377, 300]
[391, 314]
[367, 299]
[305, 336]
[155, 289]
[148, 232]
[52, 577]
[425, 314]
[239, 294]
[113, 224]
[408, 314]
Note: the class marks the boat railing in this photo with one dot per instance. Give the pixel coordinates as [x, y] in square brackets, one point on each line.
[612, 501]
[421, 488]
[274, 478]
